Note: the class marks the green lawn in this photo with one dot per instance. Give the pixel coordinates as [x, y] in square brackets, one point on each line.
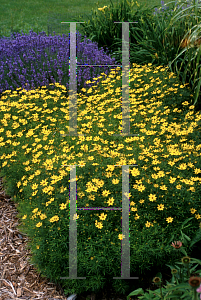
[25, 15]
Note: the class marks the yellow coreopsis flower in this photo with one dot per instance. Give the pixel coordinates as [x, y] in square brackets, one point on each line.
[102, 9]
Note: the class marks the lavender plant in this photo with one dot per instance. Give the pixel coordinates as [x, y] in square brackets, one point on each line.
[31, 61]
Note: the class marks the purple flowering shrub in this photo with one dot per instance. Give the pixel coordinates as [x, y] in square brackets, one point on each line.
[31, 61]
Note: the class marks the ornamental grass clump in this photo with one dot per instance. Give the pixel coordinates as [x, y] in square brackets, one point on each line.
[35, 155]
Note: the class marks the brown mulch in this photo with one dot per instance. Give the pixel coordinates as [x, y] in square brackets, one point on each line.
[18, 278]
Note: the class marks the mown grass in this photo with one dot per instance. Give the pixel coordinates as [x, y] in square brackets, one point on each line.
[37, 15]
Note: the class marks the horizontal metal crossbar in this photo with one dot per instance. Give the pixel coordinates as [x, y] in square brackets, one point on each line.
[99, 65]
[99, 208]
[114, 22]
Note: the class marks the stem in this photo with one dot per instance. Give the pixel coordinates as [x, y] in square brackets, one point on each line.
[188, 271]
[195, 295]
[161, 292]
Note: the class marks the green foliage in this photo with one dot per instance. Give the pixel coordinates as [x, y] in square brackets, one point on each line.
[101, 28]
[45, 214]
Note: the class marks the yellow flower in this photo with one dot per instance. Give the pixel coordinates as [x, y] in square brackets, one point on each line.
[121, 236]
[75, 217]
[102, 9]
